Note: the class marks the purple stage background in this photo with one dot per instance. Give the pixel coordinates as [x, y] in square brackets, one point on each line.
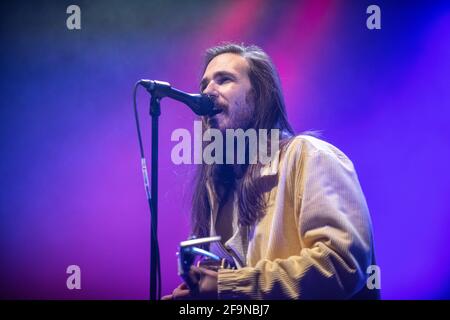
[70, 179]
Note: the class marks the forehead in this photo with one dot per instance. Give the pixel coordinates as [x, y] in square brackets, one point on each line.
[229, 62]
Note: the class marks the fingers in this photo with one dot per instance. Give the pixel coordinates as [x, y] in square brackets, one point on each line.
[181, 294]
[183, 286]
[203, 271]
[208, 286]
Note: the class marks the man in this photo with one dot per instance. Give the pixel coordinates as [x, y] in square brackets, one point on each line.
[297, 228]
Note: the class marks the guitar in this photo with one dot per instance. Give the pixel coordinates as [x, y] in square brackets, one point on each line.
[189, 252]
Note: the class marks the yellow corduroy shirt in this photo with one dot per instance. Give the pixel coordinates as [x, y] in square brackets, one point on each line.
[315, 239]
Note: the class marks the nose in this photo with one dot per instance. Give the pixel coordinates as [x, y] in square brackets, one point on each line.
[211, 89]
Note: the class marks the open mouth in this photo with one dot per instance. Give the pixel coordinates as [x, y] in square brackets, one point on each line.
[216, 111]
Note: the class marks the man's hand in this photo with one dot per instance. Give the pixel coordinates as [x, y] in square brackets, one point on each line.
[181, 292]
[207, 286]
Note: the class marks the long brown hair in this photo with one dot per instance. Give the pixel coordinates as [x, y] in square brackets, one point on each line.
[268, 97]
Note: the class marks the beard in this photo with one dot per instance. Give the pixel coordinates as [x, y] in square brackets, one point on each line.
[224, 175]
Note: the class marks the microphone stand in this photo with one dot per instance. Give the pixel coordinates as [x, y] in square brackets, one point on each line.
[201, 105]
[155, 112]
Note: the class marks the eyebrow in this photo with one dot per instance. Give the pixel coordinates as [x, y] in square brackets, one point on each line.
[205, 81]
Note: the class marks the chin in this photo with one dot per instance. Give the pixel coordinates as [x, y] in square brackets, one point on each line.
[213, 123]
[217, 122]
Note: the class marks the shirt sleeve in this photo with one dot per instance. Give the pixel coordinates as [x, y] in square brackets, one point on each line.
[335, 235]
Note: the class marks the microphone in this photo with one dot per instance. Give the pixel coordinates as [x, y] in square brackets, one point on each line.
[201, 104]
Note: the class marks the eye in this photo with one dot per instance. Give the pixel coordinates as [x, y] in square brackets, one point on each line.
[223, 79]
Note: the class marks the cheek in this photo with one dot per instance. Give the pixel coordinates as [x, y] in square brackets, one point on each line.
[232, 91]
[241, 97]
[237, 101]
